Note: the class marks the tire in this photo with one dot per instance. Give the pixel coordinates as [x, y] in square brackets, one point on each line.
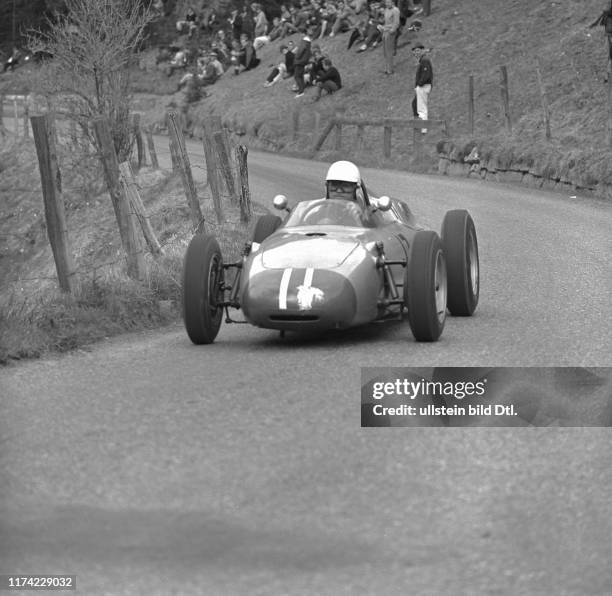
[202, 280]
[463, 268]
[265, 226]
[425, 286]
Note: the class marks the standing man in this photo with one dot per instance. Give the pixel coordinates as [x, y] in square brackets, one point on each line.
[389, 30]
[422, 84]
[302, 56]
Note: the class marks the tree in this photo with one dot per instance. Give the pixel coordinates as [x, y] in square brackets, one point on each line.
[93, 43]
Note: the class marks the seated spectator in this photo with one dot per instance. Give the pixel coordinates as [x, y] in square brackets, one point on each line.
[205, 72]
[276, 31]
[345, 19]
[247, 57]
[328, 16]
[216, 63]
[208, 19]
[179, 60]
[190, 22]
[360, 6]
[283, 70]
[358, 33]
[328, 80]
[287, 22]
[314, 66]
[373, 31]
[236, 56]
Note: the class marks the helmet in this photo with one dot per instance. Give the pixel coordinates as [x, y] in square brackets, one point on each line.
[343, 170]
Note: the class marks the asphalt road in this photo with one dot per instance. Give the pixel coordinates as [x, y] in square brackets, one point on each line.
[151, 466]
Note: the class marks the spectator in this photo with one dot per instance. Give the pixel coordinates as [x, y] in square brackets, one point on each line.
[372, 33]
[328, 79]
[345, 19]
[261, 21]
[605, 19]
[422, 85]
[208, 19]
[248, 26]
[216, 63]
[282, 70]
[235, 20]
[328, 16]
[389, 30]
[302, 56]
[248, 59]
[314, 66]
[189, 23]
[236, 56]
[178, 61]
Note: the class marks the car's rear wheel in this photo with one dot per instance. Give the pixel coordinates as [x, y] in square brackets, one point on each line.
[425, 287]
[265, 226]
[463, 268]
[202, 289]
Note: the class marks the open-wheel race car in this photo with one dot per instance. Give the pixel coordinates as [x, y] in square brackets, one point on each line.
[336, 262]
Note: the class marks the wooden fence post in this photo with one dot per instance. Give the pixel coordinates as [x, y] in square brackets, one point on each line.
[245, 194]
[16, 123]
[26, 119]
[2, 128]
[505, 97]
[417, 139]
[139, 144]
[151, 147]
[360, 131]
[226, 166]
[471, 105]
[338, 141]
[387, 138]
[123, 212]
[172, 146]
[212, 175]
[133, 196]
[55, 216]
[324, 134]
[296, 123]
[177, 143]
[317, 123]
[544, 100]
[610, 101]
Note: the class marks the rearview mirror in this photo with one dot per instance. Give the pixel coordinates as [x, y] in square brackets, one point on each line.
[383, 203]
[280, 202]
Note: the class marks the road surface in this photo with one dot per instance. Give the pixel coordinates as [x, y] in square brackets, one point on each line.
[151, 466]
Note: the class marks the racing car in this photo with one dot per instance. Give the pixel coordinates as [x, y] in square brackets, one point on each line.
[336, 262]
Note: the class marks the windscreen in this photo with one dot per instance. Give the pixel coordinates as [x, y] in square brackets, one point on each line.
[330, 212]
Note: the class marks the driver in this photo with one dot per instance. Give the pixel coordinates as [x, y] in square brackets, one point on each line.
[343, 181]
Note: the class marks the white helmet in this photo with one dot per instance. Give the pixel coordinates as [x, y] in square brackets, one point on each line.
[345, 171]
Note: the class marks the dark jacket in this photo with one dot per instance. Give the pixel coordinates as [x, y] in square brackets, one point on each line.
[302, 54]
[424, 73]
[289, 61]
[331, 74]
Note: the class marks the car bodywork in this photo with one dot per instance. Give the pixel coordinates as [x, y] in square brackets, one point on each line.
[324, 267]
[333, 264]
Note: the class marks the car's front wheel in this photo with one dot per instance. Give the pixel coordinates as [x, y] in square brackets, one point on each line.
[202, 289]
[425, 286]
[461, 251]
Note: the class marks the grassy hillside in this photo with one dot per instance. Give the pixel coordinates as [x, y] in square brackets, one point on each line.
[467, 37]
